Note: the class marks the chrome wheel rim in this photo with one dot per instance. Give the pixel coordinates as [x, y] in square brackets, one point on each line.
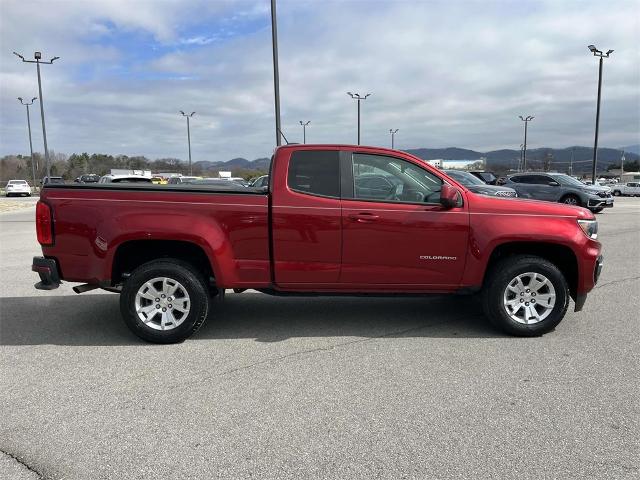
[162, 303]
[571, 201]
[529, 298]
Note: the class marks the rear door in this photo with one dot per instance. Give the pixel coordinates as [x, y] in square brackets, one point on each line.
[396, 235]
[306, 218]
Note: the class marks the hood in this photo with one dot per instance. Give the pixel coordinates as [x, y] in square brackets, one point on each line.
[517, 206]
[491, 189]
[595, 189]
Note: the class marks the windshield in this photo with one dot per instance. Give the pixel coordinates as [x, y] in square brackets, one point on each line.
[464, 178]
[566, 180]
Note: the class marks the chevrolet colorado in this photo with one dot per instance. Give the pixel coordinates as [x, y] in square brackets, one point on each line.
[334, 219]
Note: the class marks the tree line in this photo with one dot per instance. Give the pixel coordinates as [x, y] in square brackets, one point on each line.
[69, 167]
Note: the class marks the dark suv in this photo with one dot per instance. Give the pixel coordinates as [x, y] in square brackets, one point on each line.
[558, 187]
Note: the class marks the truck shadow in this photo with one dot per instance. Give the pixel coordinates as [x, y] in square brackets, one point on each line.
[95, 319]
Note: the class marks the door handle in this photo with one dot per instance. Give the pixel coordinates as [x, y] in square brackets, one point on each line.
[363, 217]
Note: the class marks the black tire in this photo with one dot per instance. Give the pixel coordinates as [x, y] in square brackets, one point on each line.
[499, 277]
[571, 200]
[177, 270]
[597, 210]
[616, 193]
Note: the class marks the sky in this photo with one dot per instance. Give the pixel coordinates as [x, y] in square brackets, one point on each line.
[445, 73]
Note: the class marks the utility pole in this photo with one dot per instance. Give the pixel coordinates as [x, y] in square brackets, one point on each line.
[393, 134]
[37, 61]
[622, 159]
[357, 97]
[304, 130]
[276, 74]
[33, 160]
[597, 53]
[526, 121]
[188, 137]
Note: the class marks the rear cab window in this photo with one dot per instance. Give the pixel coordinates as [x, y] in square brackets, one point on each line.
[315, 172]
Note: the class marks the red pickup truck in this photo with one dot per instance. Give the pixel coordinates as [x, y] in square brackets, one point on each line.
[335, 219]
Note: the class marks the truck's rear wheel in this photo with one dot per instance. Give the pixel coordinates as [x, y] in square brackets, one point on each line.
[525, 295]
[164, 301]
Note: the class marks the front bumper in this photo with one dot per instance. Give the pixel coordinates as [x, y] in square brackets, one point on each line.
[600, 202]
[48, 271]
[582, 298]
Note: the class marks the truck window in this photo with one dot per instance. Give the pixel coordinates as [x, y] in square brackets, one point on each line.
[389, 179]
[315, 172]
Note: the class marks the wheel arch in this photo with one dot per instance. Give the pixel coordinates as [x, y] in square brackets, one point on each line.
[560, 255]
[132, 253]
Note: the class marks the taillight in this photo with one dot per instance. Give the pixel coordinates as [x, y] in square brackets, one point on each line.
[44, 225]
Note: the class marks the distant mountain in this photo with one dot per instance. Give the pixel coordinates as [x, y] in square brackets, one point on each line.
[257, 164]
[498, 160]
[450, 153]
[632, 148]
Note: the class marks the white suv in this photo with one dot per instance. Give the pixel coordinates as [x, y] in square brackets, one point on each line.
[18, 187]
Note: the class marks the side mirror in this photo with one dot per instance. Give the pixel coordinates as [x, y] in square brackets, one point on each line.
[553, 183]
[449, 196]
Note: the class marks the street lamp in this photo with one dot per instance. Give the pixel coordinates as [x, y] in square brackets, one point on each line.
[520, 162]
[33, 161]
[38, 61]
[304, 130]
[357, 97]
[188, 137]
[276, 75]
[526, 121]
[597, 53]
[393, 134]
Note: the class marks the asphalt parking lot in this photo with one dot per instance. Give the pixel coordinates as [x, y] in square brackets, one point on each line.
[319, 388]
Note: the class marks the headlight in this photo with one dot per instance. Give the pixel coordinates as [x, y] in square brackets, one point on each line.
[589, 227]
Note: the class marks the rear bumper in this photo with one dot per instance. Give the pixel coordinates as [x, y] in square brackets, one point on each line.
[48, 271]
[582, 298]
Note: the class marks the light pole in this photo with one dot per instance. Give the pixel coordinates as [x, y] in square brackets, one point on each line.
[304, 130]
[597, 53]
[357, 97]
[33, 160]
[526, 121]
[188, 137]
[520, 162]
[571, 163]
[276, 75]
[38, 61]
[393, 134]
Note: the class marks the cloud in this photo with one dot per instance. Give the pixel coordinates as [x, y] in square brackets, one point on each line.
[444, 73]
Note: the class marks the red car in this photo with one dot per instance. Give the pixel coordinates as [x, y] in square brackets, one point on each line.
[337, 219]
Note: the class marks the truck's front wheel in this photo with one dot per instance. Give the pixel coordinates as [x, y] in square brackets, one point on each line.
[525, 295]
[164, 301]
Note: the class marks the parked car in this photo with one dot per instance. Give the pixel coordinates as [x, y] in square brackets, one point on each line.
[18, 187]
[558, 187]
[476, 185]
[169, 251]
[489, 178]
[52, 180]
[88, 178]
[631, 188]
[180, 180]
[125, 179]
[159, 181]
[260, 182]
[218, 182]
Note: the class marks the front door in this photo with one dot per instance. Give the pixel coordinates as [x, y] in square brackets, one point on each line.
[396, 234]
